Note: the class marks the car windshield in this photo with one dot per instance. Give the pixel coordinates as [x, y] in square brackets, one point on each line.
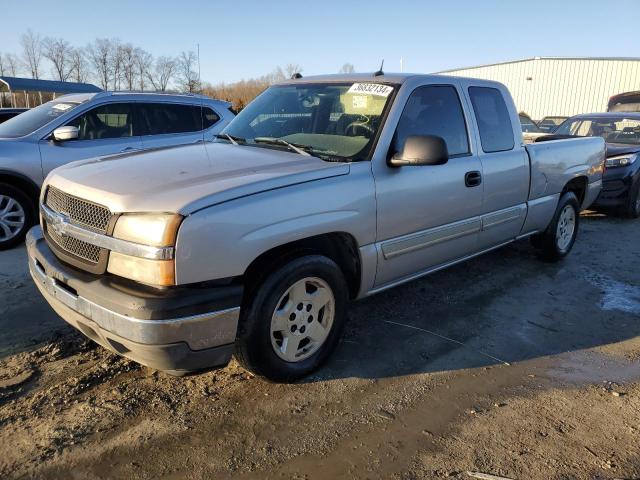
[612, 129]
[528, 126]
[336, 122]
[33, 119]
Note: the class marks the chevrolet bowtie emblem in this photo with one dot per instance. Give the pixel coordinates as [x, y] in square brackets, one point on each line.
[58, 223]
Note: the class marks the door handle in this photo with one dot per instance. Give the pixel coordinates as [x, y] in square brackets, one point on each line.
[128, 149]
[472, 179]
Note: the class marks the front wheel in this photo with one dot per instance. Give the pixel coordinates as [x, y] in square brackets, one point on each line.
[557, 240]
[293, 320]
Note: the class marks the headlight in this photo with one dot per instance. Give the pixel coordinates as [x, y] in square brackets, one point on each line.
[620, 161]
[156, 230]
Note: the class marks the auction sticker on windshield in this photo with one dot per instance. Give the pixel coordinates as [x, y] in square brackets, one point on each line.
[371, 88]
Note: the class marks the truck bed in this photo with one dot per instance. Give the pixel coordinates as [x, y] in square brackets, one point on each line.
[554, 163]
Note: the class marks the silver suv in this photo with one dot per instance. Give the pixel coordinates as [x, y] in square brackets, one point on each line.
[80, 126]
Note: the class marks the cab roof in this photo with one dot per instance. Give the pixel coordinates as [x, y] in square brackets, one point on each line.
[395, 78]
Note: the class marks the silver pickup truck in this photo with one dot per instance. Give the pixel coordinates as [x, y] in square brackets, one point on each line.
[322, 190]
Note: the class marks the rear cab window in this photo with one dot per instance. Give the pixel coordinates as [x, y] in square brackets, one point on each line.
[492, 116]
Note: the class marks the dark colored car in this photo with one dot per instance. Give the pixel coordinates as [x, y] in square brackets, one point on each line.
[527, 124]
[621, 132]
[550, 123]
[7, 113]
[624, 102]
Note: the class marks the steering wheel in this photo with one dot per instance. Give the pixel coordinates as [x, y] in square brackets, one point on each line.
[354, 126]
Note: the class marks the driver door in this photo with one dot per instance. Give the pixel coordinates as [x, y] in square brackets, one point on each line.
[103, 130]
[428, 215]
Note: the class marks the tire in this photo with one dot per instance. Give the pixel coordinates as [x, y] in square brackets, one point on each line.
[275, 336]
[632, 207]
[557, 240]
[17, 214]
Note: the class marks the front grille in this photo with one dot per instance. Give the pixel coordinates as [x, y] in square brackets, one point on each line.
[76, 247]
[79, 211]
[84, 214]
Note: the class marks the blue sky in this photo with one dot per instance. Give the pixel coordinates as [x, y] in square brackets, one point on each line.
[243, 39]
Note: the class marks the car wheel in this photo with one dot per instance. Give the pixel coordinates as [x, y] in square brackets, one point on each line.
[293, 320]
[16, 216]
[557, 240]
[633, 202]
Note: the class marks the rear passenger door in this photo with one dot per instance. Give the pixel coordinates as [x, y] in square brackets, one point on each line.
[164, 124]
[505, 165]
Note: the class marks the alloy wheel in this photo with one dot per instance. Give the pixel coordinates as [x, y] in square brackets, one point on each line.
[302, 319]
[12, 218]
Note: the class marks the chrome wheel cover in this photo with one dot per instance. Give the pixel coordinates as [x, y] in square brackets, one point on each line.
[12, 218]
[302, 319]
[566, 228]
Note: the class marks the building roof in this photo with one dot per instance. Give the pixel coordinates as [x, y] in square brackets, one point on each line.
[33, 85]
[611, 59]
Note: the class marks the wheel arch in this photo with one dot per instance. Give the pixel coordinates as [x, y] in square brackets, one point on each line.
[578, 186]
[341, 247]
[22, 182]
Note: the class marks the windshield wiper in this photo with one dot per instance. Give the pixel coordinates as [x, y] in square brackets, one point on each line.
[280, 141]
[232, 138]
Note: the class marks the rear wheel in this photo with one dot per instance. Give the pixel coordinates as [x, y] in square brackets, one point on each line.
[293, 320]
[16, 215]
[557, 240]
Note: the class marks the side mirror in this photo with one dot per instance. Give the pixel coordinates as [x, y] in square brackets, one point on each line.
[421, 150]
[62, 134]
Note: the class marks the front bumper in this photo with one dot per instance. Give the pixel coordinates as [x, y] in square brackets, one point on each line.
[181, 329]
[616, 184]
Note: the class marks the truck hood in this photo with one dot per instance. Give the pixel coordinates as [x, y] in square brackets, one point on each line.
[187, 178]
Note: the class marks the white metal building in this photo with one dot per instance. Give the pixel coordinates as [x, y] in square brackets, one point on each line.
[544, 86]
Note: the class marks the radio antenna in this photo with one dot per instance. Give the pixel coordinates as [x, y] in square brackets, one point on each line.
[199, 79]
[380, 72]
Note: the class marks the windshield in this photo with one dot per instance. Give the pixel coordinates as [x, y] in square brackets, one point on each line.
[33, 119]
[337, 122]
[612, 129]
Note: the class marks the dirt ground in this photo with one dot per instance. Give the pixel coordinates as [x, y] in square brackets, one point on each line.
[504, 365]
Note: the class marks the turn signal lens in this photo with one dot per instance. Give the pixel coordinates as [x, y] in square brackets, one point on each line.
[152, 272]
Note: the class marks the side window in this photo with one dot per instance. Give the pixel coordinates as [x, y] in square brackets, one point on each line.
[494, 123]
[113, 120]
[434, 110]
[209, 117]
[165, 118]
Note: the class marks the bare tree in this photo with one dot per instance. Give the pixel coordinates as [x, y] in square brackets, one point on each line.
[347, 68]
[164, 71]
[3, 64]
[128, 56]
[117, 64]
[32, 52]
[78, 66]
[188, 72]
[100, 54]
[58, 52]
[292, 68]
[11, 64]
[144, 63]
